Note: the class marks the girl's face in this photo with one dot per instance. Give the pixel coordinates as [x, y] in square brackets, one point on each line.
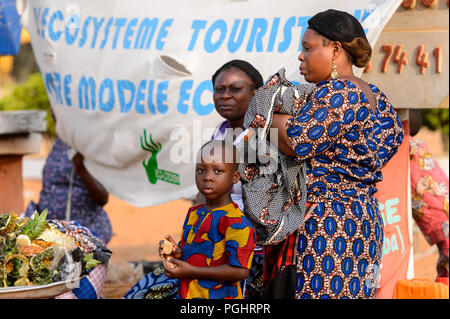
[233, 91]
[214, 178]
[316, 59]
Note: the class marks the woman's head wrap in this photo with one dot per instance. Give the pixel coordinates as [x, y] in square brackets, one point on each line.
[343, 27]
[337, 25]
[245, 67]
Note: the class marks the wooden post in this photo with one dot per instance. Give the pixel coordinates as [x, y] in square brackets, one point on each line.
[11, 185]
[19, 135]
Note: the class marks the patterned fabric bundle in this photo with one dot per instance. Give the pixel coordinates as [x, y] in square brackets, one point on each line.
[91, 285]
[88, 241]
[274, 195]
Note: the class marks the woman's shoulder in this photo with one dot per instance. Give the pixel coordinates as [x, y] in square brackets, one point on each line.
[334, 91]
[379, 94]
[345, 84]
[329, 88]
[348, 88]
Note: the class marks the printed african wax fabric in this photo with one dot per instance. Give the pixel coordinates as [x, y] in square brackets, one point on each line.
[154, 285]
[213, 238]
[345, 145]
[273, 184]
[429, 192]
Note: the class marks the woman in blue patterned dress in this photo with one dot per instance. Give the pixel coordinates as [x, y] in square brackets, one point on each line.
[346, 132]
[87, 196]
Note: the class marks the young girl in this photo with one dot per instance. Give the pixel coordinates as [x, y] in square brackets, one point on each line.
[235, 83]
[217, 242]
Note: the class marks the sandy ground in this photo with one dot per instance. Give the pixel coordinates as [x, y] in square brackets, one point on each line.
[137, 231]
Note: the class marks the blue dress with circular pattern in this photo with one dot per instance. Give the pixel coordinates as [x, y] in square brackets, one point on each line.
[55, 191]
[345, 146]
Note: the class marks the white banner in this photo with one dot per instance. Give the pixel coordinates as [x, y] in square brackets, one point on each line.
[130, 81]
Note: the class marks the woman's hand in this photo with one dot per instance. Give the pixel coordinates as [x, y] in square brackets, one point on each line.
[97, 192]
[78, 163]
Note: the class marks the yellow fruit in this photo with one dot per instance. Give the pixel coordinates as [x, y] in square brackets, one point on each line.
[167, 247]
[23, 240]
[57, 238]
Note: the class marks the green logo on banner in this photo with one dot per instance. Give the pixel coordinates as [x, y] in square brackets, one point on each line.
[151, 167]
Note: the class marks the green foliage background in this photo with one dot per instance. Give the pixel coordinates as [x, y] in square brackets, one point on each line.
[30, 95]
[435, 119]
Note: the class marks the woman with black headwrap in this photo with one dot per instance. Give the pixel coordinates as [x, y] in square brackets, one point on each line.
[234, 85]
[346, 132]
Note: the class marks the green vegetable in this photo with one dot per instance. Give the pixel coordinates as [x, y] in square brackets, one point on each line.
[7, 247]
[7, 223]
[36, 225]
[30, 95]
[90, 261]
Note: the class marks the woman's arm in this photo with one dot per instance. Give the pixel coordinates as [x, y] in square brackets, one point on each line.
[279, 122]
[97, 193]
[330, 113]
[220, 273]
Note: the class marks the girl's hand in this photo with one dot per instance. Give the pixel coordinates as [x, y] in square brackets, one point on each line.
[176, 250]
[225, 272]
[182, 269]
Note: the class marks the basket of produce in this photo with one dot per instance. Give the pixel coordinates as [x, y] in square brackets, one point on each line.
[42, 258]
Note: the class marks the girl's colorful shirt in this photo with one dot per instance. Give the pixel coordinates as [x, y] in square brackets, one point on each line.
[213, 238]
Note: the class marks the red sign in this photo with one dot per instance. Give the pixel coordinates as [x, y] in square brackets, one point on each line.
[392, 197]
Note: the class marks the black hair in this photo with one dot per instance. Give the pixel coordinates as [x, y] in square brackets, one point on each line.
[224, 145]
[245, 67]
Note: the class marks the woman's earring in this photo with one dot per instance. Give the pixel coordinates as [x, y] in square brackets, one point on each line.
[334, 73]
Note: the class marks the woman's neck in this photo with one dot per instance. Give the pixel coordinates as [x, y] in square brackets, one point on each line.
[236, 123]
[346, 72]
